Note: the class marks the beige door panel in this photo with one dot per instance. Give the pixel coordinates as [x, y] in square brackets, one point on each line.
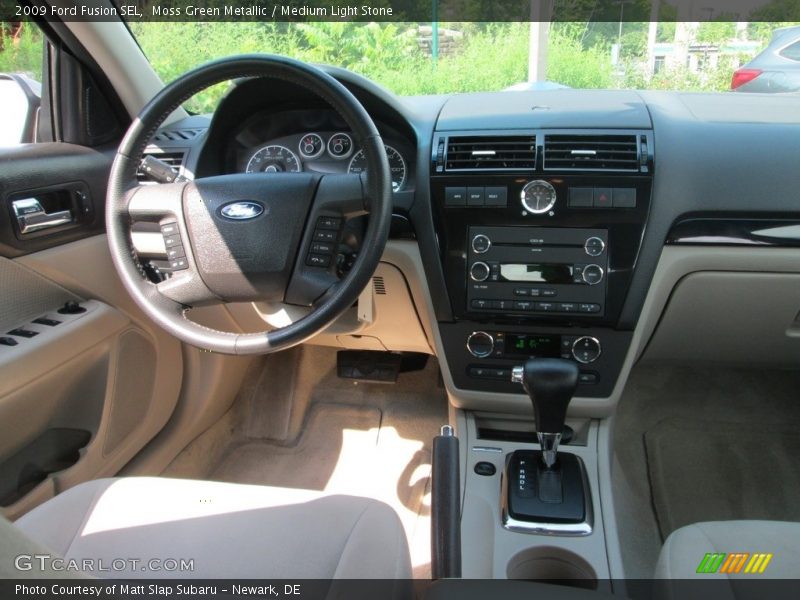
[82, 398]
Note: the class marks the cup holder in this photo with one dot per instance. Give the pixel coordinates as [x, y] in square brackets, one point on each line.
[552, 565]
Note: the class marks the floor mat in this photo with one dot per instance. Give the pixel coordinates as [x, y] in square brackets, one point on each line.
[347, 450]
[297, 425]
[712, 471]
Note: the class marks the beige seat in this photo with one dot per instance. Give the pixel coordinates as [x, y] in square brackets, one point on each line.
[225, 530]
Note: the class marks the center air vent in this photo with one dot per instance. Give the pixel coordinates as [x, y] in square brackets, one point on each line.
[173, 159]
[491, 153]
[590, 152]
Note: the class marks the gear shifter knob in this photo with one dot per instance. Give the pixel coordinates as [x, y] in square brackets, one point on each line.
[550, 384]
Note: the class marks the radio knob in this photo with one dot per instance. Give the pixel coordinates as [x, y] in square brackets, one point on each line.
[594, 246]
[586, 349]
[481, 243]
[592, 274]
[480, 344]
[479, 271]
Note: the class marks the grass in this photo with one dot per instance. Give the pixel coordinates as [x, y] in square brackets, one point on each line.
[22, 53]
[488, 56]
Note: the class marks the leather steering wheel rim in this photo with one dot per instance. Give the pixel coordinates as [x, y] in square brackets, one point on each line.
[122, 187]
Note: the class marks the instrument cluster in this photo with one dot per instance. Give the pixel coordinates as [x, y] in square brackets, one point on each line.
[317, 151]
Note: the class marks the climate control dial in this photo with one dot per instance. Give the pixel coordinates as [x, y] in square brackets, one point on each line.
[586, 349]
[480, 344]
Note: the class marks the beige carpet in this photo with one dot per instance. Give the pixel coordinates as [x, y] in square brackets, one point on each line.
[370, 440]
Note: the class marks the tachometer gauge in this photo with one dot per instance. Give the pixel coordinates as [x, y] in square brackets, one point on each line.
[311, 145]
[273, 159]
[340, 145]
[397, 166]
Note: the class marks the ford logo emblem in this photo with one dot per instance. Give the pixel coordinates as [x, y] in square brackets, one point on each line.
[242, 210]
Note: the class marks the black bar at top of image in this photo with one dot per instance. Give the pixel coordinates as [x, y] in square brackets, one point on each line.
[402, 10]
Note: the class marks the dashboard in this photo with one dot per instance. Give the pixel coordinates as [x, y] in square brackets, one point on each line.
[540, 217]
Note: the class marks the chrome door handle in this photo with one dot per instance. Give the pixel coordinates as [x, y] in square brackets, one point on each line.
[32, 217]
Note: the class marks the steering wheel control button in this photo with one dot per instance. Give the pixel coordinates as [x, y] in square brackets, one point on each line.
[592, 274]
[479, 271]
[481, 244]
[496, 196]
[602, 198]
[179, 264]
[586, 349]
[455, 196]
[322, 248]
[318, 260]
[485, 469]
[538, 197]
[329, 223]
[175, 252]
[594, 246]
[172, 240]
[480, 344]
[169, 229]
[475, 196]
[324, 235]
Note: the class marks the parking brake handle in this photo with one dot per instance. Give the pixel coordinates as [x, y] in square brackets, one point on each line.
[445, 506]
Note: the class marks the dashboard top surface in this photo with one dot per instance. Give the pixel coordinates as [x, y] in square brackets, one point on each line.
[545, 109]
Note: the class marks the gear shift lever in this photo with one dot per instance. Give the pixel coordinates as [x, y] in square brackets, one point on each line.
[550, 384]
[544, 491]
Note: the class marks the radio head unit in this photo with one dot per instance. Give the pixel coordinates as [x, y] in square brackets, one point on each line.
[537, 270]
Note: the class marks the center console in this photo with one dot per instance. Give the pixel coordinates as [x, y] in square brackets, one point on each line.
[539, 232]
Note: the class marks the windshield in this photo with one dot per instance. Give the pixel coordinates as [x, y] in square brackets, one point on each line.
[469, 57]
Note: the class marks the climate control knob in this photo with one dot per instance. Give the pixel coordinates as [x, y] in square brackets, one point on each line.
[586, 349]
[592, 274]
[479, 271]
[480, 344]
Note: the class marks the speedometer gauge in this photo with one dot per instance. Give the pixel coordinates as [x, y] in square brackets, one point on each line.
[397, 166]
[273, 159]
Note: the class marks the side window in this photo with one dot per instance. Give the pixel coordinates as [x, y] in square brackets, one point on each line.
[792, 52]
[21, 56]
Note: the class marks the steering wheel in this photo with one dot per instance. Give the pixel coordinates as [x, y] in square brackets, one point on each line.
[249, 237]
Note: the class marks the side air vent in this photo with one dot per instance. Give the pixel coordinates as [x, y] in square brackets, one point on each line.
[379, 285]
[590, 152]
[176, 135]
[491, 153]
[173, 159]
